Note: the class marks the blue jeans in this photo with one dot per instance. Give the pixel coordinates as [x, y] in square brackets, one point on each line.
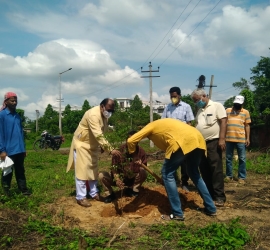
[168, 170]
[241, 151]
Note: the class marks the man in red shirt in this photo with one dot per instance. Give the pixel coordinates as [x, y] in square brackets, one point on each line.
[125, 172]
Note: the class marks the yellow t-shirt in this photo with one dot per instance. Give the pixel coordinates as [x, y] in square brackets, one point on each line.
[169, 135]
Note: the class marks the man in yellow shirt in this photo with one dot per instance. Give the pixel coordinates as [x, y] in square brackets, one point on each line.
[180, 142]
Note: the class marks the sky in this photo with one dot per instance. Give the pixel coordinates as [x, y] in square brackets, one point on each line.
[107, 42]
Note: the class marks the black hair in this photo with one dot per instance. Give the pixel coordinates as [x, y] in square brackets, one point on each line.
[105, 101]
[175, 89]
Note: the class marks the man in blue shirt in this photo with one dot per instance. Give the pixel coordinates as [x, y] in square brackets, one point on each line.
[181, 111]
[12, 143]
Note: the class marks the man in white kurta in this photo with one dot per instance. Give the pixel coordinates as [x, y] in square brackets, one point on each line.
[84, 149]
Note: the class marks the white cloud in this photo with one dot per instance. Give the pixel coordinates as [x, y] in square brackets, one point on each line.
[119, 11]
[235, 28]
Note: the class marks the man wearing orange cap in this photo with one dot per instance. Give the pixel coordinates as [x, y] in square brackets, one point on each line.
[12, 143]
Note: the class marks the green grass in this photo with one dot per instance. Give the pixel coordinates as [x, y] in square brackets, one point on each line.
[47, 177]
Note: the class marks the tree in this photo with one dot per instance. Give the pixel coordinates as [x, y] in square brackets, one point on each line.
[229, 103]
[187, 99]
[85, 106]
[50, 120]
[243, 84]
[21, 114]
[261, 81]
[136, 104]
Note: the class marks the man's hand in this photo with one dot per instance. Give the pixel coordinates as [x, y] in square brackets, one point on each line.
[120, 184]
[222, 144]
[3, 156]
[247, 142]
[116, 153]
[138, 162]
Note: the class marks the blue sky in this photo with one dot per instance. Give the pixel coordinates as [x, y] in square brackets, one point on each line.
[106, 42]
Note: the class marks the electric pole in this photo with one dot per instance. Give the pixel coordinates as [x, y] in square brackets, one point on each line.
[211, 86]
[150, 91]
[37, 116]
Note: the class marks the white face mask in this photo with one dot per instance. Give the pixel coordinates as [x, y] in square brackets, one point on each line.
[107, 114]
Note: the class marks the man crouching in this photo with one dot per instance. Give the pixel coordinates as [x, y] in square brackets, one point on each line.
[125, 172]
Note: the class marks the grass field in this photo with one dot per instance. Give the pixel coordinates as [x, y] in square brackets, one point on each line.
[27, 223]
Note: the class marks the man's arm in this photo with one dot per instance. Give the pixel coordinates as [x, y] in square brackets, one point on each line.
[3, 153]
[247, 130]
[164, 114]
[93, 123]
[134, 139]
[222, 133]
[189, 115]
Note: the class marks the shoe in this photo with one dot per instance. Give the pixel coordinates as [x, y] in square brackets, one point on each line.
[84, 202]
[172, 217]
[130, 193]
[205, 211]
[242, 181]
[228, 179]
[26, 192]
[96, 197]
[110, 198]
[219, 203]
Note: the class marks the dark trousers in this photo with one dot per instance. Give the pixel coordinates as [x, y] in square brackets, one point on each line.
[18, 168]
[212, 170]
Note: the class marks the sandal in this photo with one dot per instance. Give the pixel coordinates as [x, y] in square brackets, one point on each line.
[172, 217]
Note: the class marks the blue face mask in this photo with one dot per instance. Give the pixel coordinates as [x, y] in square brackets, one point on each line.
[200, 104]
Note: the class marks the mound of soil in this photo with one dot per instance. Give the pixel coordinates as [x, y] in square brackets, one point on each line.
[149, 199]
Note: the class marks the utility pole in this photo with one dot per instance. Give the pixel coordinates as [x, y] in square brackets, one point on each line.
[211, 86]
[202, 84]
[150, 91]
[61, 100]
[37, 116]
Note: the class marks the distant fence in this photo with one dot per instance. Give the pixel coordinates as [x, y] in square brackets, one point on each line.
[260, 136]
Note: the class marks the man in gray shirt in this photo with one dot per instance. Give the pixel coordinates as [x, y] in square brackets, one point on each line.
[181, 111]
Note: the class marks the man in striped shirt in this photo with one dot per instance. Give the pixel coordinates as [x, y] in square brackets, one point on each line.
[237, 136]
[182, 111]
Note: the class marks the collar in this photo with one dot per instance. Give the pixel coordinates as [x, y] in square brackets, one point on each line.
[236, 111]
[179, 104]
[210, 102]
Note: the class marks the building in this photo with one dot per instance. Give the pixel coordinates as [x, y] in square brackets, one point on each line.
[123, 102]
[158, 107]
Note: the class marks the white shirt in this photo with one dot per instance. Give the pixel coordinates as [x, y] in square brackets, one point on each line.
[207, 120]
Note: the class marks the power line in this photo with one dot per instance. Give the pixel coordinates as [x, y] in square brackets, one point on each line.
[191, 32]
[137, 70]
[223, 90]
[177, 29]
[167, 34]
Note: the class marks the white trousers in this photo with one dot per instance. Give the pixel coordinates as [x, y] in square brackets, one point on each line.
[81, 189]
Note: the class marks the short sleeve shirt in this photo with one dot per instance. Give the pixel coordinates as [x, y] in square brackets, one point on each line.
[207, 120]
[182, 112]
[236, 125]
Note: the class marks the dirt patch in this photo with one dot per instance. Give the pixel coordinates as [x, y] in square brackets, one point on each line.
[250, 202]
[150, 199]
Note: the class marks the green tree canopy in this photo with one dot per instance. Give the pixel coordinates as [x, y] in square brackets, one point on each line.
[136, 104]
[85, 106]
[242, 84]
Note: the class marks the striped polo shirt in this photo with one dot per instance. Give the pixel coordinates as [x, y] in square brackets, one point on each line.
[236, 125]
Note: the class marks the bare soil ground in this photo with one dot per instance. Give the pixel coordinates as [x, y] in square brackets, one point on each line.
[250, 202]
